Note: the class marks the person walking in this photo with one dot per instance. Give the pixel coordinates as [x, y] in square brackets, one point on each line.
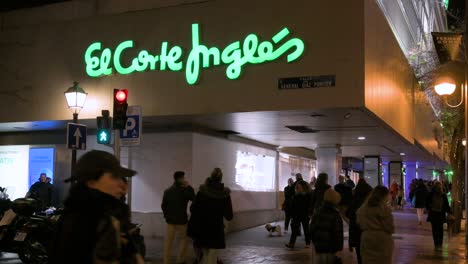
[376, 221]
[174, 207]
[362, 191]
[346, 193]
[287, 204]
[94, 225]
[327, 229]
[419, 199]
[394, 189]
[300, 206]
[211, 205]
[438, 207]
[321, 186]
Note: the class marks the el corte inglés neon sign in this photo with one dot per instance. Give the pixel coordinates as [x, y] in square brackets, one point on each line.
[235, 55]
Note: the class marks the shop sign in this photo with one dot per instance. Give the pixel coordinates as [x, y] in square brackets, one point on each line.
[104, 61]
[306, 82]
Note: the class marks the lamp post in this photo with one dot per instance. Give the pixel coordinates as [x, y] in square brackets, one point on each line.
[76, 98]
[444, 89]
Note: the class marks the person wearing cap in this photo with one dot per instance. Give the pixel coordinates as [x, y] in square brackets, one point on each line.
[174, 207]
[94, 227]
[327, 229]
[211, 206]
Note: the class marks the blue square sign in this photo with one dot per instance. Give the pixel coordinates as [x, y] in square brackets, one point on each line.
[131, 135]
[76, 136]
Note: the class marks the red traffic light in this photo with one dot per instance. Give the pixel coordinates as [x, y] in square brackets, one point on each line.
[121, 95]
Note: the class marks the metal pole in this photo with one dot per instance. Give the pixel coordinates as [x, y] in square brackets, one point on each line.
[465, 40]
[73, 160]
[117, 143]
[466, 159]
[130, 166]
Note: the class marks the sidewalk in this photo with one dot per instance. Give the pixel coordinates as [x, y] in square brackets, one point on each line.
[413, 244]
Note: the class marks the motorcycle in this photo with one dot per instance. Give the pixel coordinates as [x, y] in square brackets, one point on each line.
[26, 232]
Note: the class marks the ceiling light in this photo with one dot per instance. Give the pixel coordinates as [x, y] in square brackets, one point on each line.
[361, 138]
[402, 154]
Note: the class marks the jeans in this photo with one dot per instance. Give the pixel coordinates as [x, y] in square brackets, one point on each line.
[179, 231]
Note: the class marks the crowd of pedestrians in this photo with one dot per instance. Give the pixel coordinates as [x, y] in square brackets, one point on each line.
[96, 227]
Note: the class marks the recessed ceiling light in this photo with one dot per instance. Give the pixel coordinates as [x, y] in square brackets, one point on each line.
[361, 138]
[402, 154]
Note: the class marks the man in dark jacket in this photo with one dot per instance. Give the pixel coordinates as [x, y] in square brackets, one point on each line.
[174, 206]
[327, 229]
[321, 186]
[299, 212]
[287, 204]
[211, 206]
[42, 191]
[94, 225]
[346, 193]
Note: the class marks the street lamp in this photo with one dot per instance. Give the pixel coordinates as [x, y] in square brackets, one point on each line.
[444, 89]
[76, 98]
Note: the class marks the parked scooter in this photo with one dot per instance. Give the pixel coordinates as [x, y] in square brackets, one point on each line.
[27, 233]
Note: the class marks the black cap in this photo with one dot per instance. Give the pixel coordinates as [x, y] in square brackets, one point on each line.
[94, 163]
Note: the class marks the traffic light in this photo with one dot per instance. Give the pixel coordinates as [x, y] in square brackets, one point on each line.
[120, 108]
[103, 135]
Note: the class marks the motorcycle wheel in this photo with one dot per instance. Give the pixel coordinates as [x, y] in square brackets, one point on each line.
[33, 252]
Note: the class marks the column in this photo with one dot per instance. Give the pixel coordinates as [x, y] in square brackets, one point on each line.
[329, 161]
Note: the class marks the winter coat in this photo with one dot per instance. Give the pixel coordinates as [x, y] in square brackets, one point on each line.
[300, 205]
[377, 229]
[350, 183]
[326, 229]
[317, 198]
[346, 193]
[420, 197]
[43, 192]
[206, 225]
[94, 228]
[288, 196]
[174, 204]
[361, 193]
[441, 216]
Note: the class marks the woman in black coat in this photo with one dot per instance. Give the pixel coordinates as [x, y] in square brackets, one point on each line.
[210, 207]
[419, 199]
[362, 191]
[299, 212]
[438, 207]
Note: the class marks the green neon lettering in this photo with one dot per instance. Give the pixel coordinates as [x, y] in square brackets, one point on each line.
[94, 65]
[174, 55]
[234, 56]
[118, 51]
